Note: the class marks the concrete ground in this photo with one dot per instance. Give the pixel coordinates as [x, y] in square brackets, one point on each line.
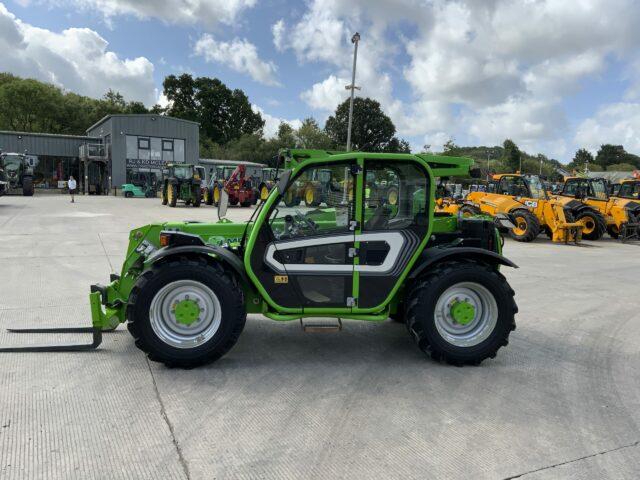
[561, 401]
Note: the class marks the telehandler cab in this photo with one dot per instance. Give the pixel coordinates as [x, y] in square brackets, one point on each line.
[620, 217]
[185, 288]
[524, 199]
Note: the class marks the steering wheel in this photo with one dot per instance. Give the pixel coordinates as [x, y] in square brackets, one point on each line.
[307, 221]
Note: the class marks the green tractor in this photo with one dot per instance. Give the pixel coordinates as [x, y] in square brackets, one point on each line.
[183, 182]
[19, 173]
[186, 288]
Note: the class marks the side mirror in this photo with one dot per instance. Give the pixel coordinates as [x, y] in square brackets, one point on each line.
[223, 205]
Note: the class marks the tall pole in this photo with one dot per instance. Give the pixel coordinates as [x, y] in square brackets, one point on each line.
[355, 39]
[488, 164]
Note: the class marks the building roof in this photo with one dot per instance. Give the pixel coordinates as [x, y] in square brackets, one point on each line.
[155, 115]
[216, 161]
[55, 135]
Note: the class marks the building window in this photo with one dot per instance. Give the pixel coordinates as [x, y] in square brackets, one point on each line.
[143, 143]
[167, 145]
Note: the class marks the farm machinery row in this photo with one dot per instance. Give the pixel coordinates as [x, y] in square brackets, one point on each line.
[580, 208]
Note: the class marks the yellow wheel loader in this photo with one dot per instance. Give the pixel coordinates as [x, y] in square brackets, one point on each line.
[620, 217]
[524, 200]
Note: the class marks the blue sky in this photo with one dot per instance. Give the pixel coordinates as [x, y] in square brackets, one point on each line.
[552, 75]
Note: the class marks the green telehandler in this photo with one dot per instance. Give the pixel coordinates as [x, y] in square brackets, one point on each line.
[185, 288]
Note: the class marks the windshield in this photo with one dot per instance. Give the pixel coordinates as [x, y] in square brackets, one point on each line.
[599, 189]
[630, 190]
[11, 162]
[182, 172]
[536, 187]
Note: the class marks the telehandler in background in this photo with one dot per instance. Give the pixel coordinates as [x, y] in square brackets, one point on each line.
[185, 288]
[628, 189]
[620, 217]
[525, 201]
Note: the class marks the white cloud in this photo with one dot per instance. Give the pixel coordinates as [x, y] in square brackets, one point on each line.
[76, 59]
[272, 123]
[205, 12]
[617, 123]
[239, 55]
[278, 31]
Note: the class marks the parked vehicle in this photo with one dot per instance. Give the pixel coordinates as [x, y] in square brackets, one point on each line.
[217, 177]
[183, 183]
[19, 173]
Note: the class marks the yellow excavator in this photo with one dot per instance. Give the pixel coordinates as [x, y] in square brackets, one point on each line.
[524, 200]
[620, 217]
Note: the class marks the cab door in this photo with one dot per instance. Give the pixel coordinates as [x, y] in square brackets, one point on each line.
[303, 256]
[395, 216]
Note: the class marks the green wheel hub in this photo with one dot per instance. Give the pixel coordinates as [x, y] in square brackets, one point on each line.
[186, 312]
[463, 312]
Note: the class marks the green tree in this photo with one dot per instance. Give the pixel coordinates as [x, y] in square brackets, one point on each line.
[622, 167]
[224, 114]
[372, 130]
[310, 135]
[511, 156]
[610, 155]
[581, 159]
[397, 146]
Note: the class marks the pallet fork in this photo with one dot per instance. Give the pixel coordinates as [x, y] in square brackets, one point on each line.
[98, 293]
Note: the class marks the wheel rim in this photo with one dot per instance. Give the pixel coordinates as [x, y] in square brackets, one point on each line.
[216, 195]
[170, 194]
[264, 193]
[589, 225]
[309, 196]
[206, 196]
[185, 314]
[521, 226]
[393, 197]
[466, 314]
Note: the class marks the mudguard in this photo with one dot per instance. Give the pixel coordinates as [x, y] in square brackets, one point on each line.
[221, 253]
[435, 255]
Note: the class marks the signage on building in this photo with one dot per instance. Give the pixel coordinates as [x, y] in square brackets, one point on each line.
[146, 163]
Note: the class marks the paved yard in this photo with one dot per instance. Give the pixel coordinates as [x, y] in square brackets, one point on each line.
[561, 401]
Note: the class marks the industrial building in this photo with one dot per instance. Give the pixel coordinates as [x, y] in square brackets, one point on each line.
[118, 149]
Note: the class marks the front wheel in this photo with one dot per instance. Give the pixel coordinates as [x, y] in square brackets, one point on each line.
[172, 195]
[163, 196]
[186, 313]
[197, 197]
[594, 224]
[128, 194]
[208, 199]
[527, 226]
[461, 312]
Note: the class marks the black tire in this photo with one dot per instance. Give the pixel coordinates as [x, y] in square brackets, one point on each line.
[596, 223]
[214, 276]
[291, 200]
[613, 231]
[248, 203]
[420, 318]
[315, 197]
[208, 197]
[27, 186]
[197, 201]
[527, 224]
[174, 194]
[163, 195]
[233, 201]
[469, 211]
[128, 194]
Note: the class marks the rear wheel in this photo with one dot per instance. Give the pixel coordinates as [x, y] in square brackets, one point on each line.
[128, 194]
[461, 312]
[186, 313]
[172, 195]
[163, 196]
[392, 196]
[527, 226]
[594, 224]
[27, 186]
[207, 198]
[311, 197]
[290, 198]
[197, 197]
[264, 192]
[216, 196]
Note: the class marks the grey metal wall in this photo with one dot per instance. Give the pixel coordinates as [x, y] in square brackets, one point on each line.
[43, 144]
[119, 126]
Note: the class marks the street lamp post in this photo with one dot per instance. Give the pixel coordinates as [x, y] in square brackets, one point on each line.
[355, 39]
